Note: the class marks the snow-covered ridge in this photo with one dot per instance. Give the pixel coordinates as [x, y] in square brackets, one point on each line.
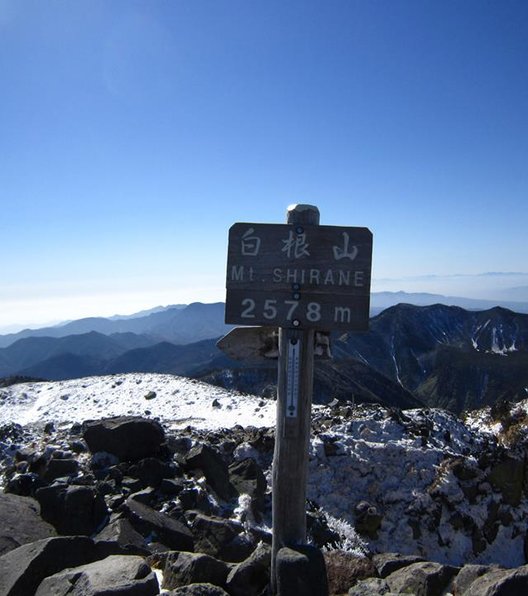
[176, 400]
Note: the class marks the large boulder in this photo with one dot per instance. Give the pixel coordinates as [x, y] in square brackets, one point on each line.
[60, 468]
[183, 568]
[387, 563]
[344, 569]
[300, 571]
[251, 576]
[214, 468]
[72, 510]
[21, 522]
[220, 538]
[120, 530]
[22, 569]
[117, 574]
[174, 534]
[501, 582]
[421, 579]
[468, 574]
[129, 438]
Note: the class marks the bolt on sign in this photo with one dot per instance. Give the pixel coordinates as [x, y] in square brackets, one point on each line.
[299, 276]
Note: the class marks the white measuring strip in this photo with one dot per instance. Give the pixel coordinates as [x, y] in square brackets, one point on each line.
[292, 377]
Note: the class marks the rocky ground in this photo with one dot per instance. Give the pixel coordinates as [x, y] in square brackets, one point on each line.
[414, 501]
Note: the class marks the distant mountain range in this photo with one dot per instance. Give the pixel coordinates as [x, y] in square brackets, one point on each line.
[175, 324]
[412, 355]
[446, 356]
[381, 300]
[183, 324]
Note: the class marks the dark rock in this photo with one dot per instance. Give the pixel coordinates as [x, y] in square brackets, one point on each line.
[461, 521]
[300, 571]
[21, 522]
[507, 582]
[319, 530]
[114, 473]
[247, 478]
[117, 574]
[251, 576]
[25, 454]
[478, 541]
[167, 530]
[421, 579]
[345, 569]
[505, 515]
[115, 502]
[370, 587]
[106, 487]
[22, 569]
[330, 447]
[467, 575]
[214, 468]
[59, 468]
[463, 469]
[150, 471]
[368, 520]
[78, 447]
[145, 496]
[129, 438]
[132, 484]
[24, 485]
[508, 477]
[387, 563]
[195, 498]
[182, 568]
[120, 530]
[171, 486]
[72, 510]
[37, 464]
[76, 429]
[198, 590]
[491, 525]
[180, 446]
[103, 461]
[470, 491]
[219, 538]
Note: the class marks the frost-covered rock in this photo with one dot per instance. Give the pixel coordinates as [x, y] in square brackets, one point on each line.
[423, 483]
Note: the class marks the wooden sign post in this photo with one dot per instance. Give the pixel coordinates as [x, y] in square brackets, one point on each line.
[292, 434]
[301, 277]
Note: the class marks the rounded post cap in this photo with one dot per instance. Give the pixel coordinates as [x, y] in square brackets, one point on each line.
[301, 213]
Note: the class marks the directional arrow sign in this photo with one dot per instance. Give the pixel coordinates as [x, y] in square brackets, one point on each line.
[250, 343]
[261, 343]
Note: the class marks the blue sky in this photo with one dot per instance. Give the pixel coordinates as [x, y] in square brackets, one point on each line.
[134, 133]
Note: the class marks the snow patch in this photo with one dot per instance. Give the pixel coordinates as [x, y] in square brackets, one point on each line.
[179, 401]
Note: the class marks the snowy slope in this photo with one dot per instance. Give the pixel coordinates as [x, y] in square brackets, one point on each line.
[178, 402]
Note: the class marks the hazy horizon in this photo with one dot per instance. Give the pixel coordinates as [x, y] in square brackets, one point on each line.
[486, 286]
